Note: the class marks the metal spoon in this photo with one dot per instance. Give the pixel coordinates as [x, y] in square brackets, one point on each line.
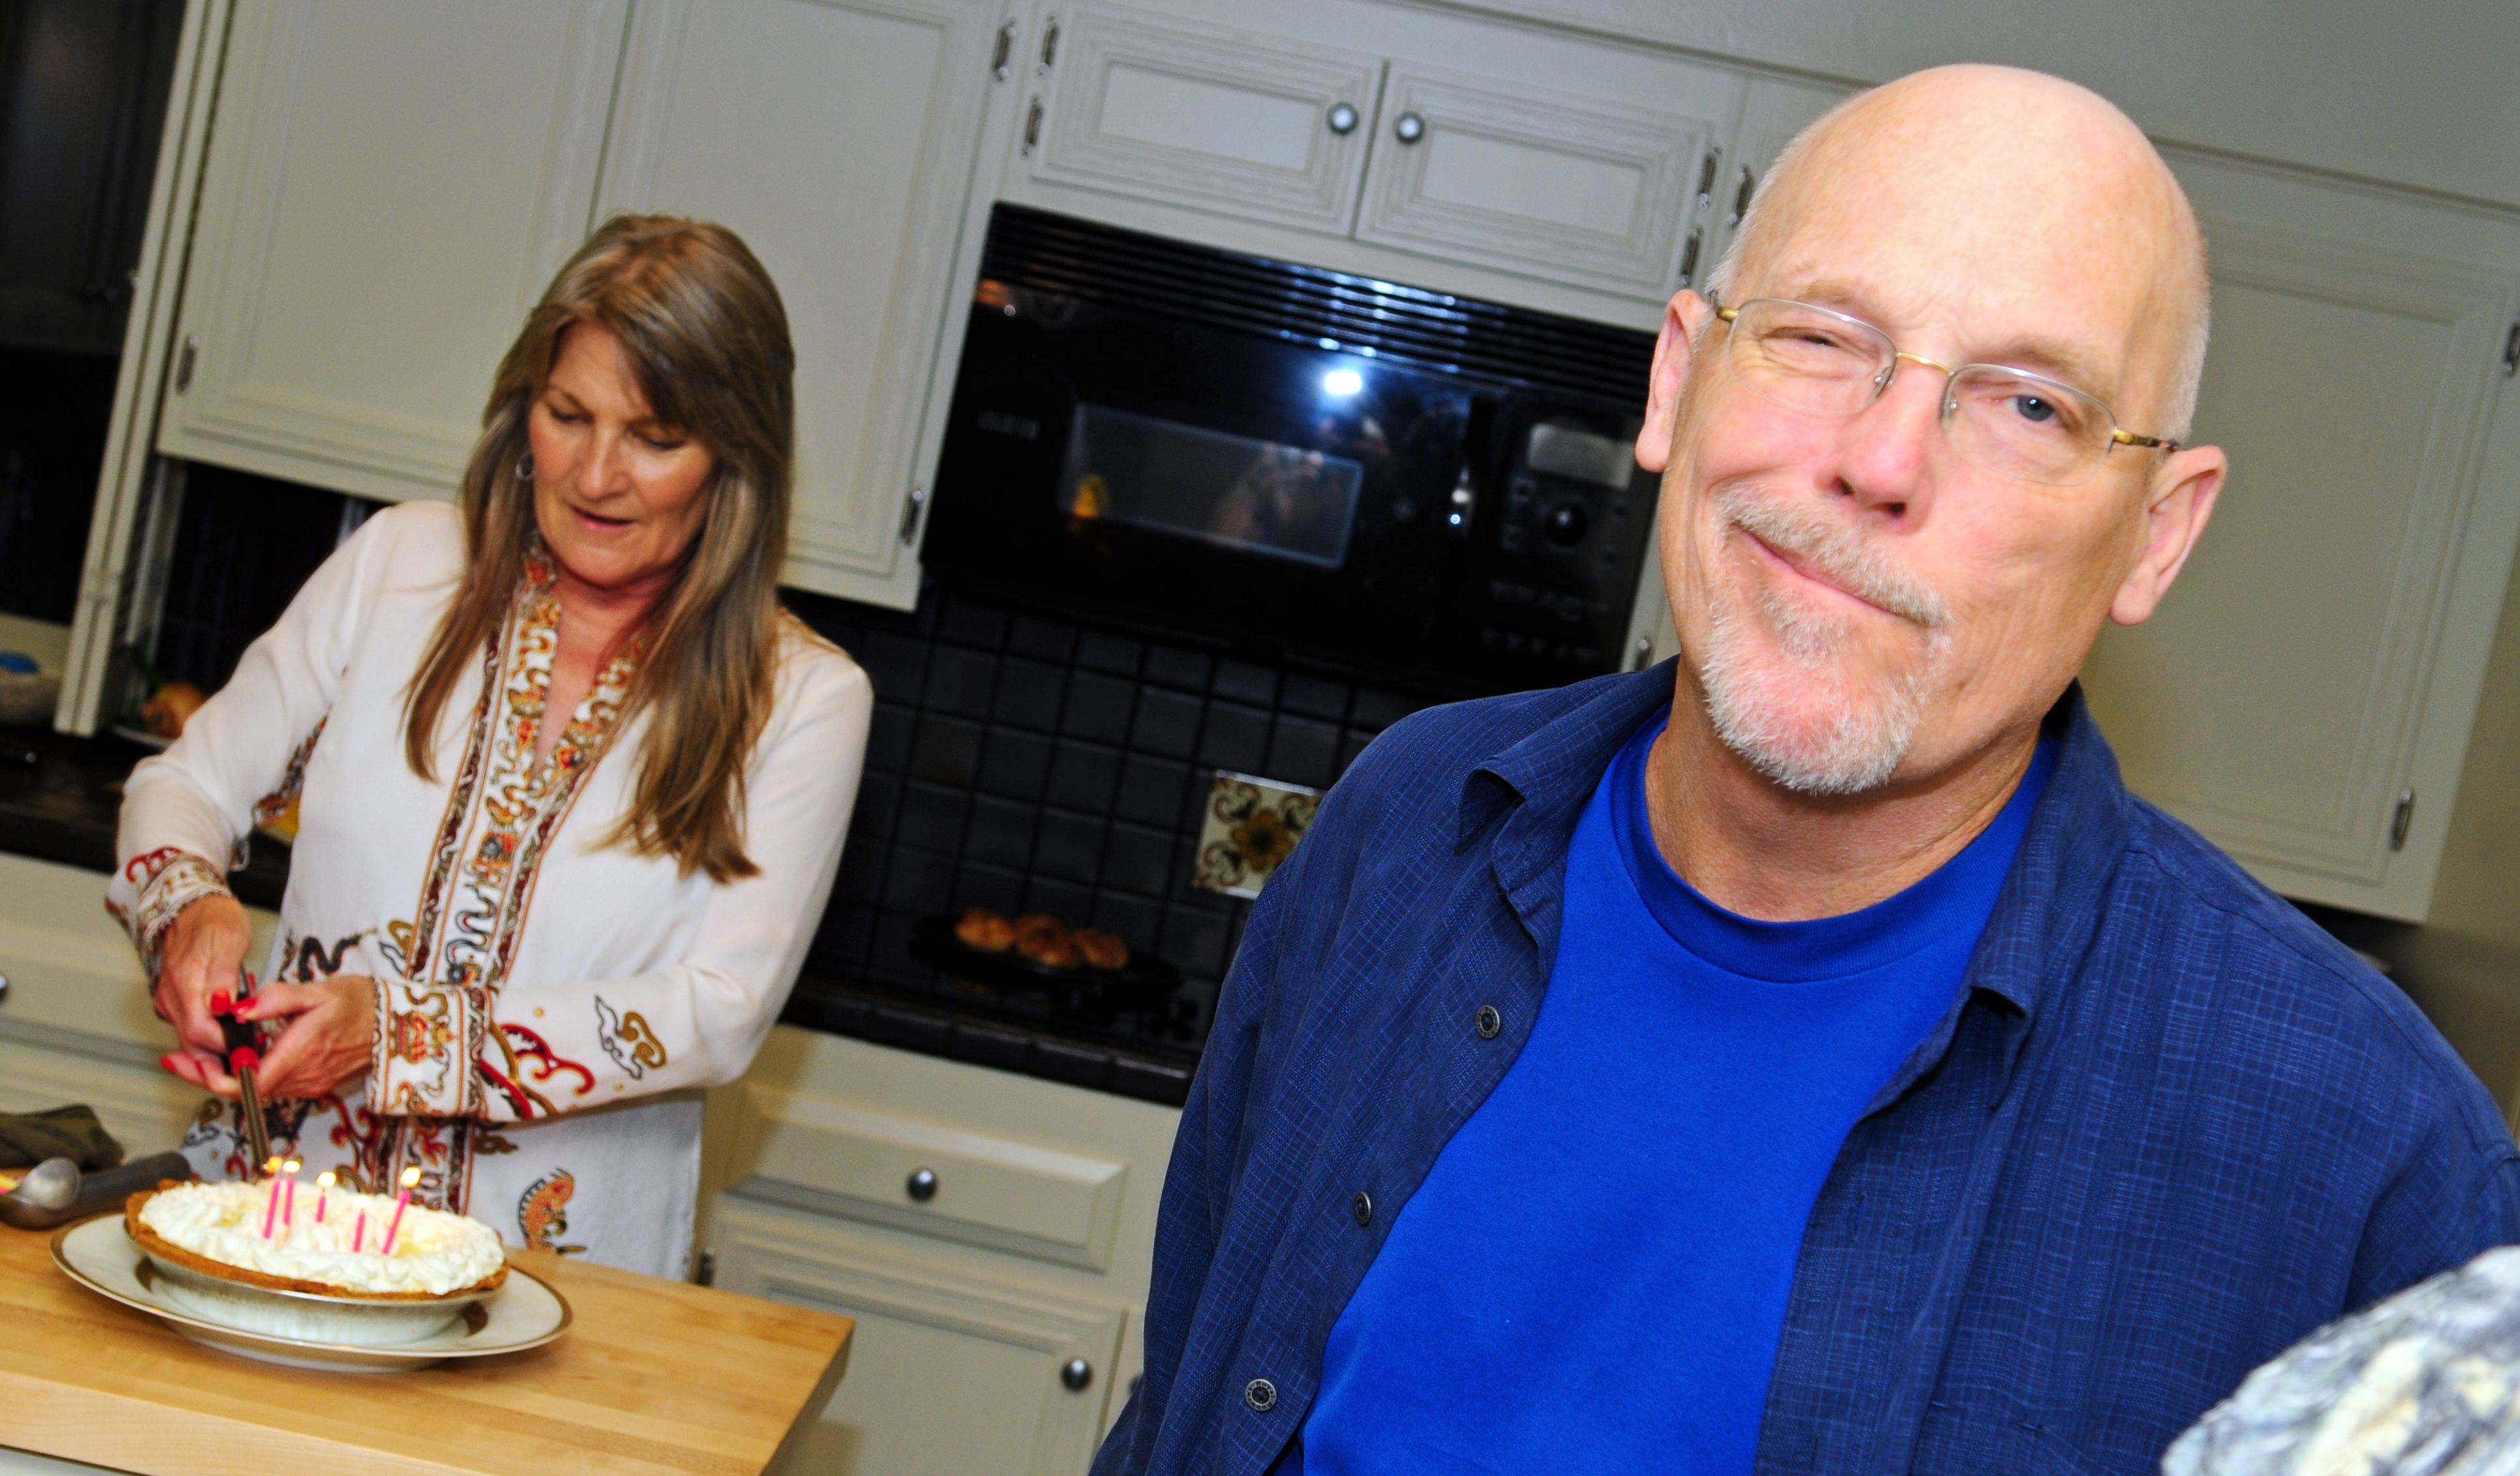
[52, 1185]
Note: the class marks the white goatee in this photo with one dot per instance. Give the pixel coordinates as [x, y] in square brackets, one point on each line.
[1804, 722]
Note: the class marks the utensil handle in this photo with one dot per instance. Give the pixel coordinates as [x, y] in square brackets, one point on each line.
[111, 1186]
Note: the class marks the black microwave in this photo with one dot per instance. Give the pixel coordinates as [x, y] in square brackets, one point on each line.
[1294, 461]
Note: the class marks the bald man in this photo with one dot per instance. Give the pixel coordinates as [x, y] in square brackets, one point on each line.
[1808, 1056]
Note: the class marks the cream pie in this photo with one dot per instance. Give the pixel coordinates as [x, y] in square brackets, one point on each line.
[217, 1230]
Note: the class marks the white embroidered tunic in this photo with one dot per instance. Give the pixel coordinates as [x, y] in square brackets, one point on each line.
[548, 1005]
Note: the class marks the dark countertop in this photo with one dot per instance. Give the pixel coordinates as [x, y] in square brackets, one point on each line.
[60, 794]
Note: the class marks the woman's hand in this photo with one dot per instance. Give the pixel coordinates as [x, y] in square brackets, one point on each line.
[200, 956]
[330, 1041]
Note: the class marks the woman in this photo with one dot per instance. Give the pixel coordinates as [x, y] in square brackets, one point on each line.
[514, 944]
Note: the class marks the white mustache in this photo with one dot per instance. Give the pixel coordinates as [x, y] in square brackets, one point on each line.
[1848, 559]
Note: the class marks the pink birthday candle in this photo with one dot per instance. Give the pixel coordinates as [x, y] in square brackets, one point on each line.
[322, 1185]
[359, 1232]
[402, 1201]
[289, 1207]
[271, 1210]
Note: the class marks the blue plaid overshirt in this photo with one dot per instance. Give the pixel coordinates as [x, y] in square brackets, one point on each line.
[2167, 1127]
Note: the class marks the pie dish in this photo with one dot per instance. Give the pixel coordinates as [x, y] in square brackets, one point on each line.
[523, 1314]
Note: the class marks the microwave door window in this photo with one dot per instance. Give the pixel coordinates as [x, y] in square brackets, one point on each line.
[1255, 496]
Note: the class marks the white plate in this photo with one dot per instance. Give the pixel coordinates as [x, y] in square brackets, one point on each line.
[523, 1314]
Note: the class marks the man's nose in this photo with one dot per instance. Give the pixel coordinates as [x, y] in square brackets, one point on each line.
[1892, 444]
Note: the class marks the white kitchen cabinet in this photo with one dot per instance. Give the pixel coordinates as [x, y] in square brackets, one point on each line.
[1585, 188]
[949, 1373]
[1421, 135]
[387, 190]
[2305, 695]
[1246, 124]
[76, 1025]
[840, 139]
[999, 1303]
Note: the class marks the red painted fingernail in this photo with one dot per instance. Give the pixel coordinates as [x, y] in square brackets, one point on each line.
[220, 1001]
[168, 1060]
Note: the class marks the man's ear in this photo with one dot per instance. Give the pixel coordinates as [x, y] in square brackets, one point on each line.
[1682, 319]
[2176, 507]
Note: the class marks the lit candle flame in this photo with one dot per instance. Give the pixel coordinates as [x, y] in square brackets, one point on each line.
[291, 1167]
[326, 1178]
[410, 1176]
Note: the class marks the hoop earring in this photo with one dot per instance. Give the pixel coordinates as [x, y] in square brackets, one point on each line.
[525, 468]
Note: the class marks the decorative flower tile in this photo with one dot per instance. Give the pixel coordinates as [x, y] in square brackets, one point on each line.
[1248, 830]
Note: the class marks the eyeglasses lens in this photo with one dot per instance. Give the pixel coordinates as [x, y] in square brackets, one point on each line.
[2009, 422]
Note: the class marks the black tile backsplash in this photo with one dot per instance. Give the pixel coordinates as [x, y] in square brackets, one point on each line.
[243, 546]
[1023, 764]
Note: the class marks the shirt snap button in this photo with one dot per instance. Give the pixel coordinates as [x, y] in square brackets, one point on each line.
[1490, 1023]
[1362, 1207]
[1261, 1395]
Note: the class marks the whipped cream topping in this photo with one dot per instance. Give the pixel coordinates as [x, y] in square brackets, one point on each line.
[435, 1252]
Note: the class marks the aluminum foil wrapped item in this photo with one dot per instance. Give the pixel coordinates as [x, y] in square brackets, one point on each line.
[2426, 1383]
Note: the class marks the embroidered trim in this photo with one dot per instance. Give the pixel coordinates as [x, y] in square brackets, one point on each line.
[167, 880]
[440, 1056]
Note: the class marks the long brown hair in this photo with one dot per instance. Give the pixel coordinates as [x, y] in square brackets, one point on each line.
[705, 338]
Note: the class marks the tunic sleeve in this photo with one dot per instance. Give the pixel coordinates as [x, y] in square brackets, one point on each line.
[186, 813]
[695, 1022]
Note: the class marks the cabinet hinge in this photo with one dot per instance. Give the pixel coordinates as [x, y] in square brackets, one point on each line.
[2511, 351]
[1003, 51]
[912, 512]
[2402, 818]
[184, 362]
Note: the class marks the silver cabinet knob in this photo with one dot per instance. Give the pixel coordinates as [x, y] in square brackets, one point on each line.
[922, 1185]
[4, 988]
[1408, 128]
[1342, 119]
[1076, 1373]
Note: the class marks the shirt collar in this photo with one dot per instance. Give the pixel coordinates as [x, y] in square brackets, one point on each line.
[1538, 784]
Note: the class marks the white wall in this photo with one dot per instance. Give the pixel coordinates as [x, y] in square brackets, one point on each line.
[2419, 92]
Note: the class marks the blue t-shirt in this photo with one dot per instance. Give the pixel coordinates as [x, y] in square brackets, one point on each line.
[1594, 1275]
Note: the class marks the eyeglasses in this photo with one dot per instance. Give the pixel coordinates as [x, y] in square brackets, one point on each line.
[2009, 422]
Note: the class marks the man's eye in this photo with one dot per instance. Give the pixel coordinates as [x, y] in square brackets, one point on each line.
[2033, 409]
[1810, 349]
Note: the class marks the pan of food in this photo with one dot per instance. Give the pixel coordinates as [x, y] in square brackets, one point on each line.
[1038, 951]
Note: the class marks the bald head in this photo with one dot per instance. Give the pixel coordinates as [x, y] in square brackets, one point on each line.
[1992, 181]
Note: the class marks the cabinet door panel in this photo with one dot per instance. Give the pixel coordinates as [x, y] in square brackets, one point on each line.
[2277, 698]
[389, 191]
[837, 139]
[1238, 123]
[949, 1375]
[1576, 188]
[1773, 111]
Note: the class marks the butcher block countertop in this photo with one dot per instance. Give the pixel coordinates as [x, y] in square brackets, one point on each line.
[652, 1376]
